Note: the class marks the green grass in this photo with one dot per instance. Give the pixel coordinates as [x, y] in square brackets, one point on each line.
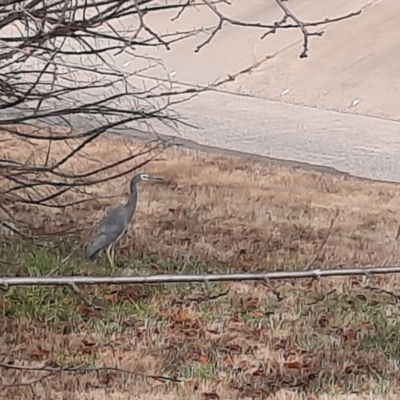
[325, 341]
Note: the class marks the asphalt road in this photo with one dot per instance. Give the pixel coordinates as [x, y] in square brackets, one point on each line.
[268, 131]
[360, 145]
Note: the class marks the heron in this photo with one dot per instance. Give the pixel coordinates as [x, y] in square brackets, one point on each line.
[114, 226]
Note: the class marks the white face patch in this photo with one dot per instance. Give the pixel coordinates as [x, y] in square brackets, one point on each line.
[144, 177]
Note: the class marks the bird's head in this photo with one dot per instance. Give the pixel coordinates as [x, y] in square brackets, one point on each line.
[144, 177]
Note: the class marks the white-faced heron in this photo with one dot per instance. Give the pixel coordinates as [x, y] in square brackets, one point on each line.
[113, 227]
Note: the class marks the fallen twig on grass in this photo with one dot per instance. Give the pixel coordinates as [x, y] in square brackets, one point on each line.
[201, 299]
[84, 298]
[75, 369]
[321, 298]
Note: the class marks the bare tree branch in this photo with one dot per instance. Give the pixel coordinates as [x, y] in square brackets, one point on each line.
[58, 68]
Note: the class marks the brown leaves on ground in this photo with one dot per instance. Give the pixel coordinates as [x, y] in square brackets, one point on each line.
[218, 350]
[244, 340]
[221, 348]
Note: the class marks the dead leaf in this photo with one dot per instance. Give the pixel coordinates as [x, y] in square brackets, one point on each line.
[39, 353]
[293, 351]
[88, 342]
[87, 350]
[323, 322]
[255, 371]
[361, 297]
[294, 365]
[252, 393]
[88, 311]
[192, 383]
[111, 298]
[210, 396]
[181, 316]
[107, 379]
[349, 335]
[203, 359]
[232, 349]
[366, 326]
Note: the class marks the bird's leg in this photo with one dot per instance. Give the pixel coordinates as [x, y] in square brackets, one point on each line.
[109, 255]
[113, 254]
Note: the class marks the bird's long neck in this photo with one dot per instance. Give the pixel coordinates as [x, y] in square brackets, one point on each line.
[132, 200]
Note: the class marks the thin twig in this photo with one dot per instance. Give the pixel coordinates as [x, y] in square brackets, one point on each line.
[81, 370]
[306, 34]
[322, 298]
[383, 291]
[84, 298]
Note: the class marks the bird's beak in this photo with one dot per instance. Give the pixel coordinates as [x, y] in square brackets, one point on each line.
[156, 178]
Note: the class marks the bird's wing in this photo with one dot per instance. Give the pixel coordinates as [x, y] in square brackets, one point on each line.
[108, 231]
[97, 244]
[114, 222]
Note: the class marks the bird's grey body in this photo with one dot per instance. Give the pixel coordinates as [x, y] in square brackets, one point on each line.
[110, 230]
[113, 227]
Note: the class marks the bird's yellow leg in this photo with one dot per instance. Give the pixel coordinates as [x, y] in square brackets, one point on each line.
[113, 255]
[108, 251]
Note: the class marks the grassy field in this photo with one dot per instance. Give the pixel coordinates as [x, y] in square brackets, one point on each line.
[329, 339]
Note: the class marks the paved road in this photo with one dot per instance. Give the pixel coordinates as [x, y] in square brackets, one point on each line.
[358, 145]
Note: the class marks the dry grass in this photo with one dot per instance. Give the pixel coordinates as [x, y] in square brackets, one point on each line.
[318, 339]
[224, 210]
